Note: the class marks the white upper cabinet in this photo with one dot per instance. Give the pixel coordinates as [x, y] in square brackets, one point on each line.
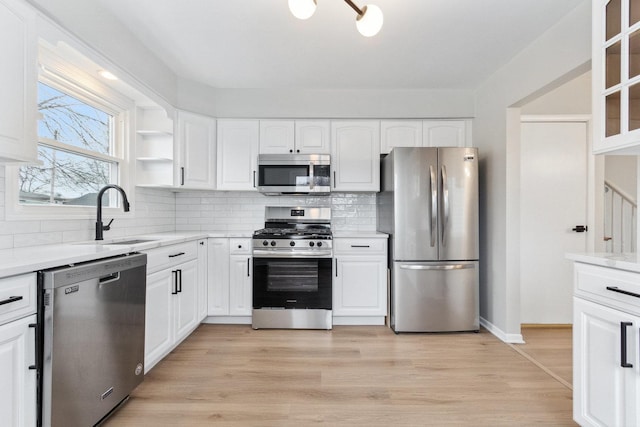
[18, 73]
[295, 137]
[446, 133]
[400, 133]
[616, 76]
[312, 136]
[195, 151]
[238, 142]
[277, 136]
[355, 155]
[424, 133]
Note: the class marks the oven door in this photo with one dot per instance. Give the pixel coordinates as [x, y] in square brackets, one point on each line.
[303, 283]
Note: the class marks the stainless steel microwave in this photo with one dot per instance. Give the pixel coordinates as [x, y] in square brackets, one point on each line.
[294, 174]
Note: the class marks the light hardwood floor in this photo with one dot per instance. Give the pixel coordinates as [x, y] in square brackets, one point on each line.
[350, 376]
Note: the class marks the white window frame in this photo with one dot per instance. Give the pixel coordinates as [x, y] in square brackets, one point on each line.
[61, 75]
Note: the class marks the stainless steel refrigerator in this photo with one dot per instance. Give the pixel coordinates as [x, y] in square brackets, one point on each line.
[429, 206]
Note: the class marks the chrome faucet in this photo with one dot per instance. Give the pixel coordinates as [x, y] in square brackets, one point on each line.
[125, 204]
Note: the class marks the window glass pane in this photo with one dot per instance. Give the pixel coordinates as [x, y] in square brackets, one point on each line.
[614, 19]
[65, 179]
[71, 121]
[634, 11]
[634, 107]
[634, 54]
[612, 71]
[612, 114]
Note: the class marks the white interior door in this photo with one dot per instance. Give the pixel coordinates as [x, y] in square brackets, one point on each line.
[553, 201]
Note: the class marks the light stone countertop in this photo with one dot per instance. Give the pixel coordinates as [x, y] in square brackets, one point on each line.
[360, 234]
[624, 261]
[33, 258]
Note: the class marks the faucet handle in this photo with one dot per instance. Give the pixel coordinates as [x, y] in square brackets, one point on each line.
[108, 226]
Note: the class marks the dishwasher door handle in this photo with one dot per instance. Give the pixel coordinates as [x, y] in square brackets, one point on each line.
[113, 277]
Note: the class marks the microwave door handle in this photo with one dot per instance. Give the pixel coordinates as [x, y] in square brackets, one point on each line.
[311, 176]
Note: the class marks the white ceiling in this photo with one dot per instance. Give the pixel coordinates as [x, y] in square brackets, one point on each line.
[424, 44]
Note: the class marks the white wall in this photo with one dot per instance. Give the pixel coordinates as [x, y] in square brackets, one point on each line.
[560, 54]
[573, 97]
[301, 103]
[113, 42]
[622, 172]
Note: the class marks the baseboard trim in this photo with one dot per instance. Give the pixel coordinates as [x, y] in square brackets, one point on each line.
[546, 326]
[500, 334]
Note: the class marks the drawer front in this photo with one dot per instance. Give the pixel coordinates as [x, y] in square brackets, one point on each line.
[239, 246]
[615, 288]
[17, 297]
[168, 256]
[359, 246]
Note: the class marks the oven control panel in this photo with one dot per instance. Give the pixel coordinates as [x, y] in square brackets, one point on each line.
[292, 244]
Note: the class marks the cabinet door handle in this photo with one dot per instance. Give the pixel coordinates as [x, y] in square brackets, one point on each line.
[174, 285]
[175, 255]
[623, 345]
[334, 179]
[182, 176]
[248, 262]
[336, 267]
[10, 300]
[179, 285]
[35, 328]
[622, 291]
[254, 179]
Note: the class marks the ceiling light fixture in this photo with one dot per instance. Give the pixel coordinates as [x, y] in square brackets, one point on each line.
[369, 20]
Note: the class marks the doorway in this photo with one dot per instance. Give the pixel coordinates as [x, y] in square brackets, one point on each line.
[553, 209]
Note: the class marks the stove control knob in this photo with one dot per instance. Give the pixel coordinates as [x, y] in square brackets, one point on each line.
[292, 243]
[273, 243]
[311, 244]
[319, 244]
[265, 243]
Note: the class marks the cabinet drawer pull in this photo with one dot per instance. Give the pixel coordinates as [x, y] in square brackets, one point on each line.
[175, 255]
[623, 345]
[622, 291]
[10, 300]
[360, 246]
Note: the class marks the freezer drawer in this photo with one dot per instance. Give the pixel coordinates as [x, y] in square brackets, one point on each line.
[434, 296]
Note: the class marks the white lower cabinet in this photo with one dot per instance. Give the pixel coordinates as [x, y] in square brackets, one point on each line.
[230, 280]
[18, 391]
[360, 281]
[606, 341]
[172, 299]
[18, 350]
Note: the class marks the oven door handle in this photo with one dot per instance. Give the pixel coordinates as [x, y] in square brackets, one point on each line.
[258, 253]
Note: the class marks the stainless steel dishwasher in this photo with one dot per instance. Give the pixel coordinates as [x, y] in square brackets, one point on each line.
[92, 338]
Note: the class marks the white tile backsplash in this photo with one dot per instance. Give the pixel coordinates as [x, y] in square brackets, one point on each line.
[161, 210]
[242, 211]
[155, 212]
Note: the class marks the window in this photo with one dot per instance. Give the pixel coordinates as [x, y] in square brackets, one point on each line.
[84, 133]
[76, 147]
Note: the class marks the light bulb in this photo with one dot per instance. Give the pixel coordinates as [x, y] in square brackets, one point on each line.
[302, 9]
[370, 22]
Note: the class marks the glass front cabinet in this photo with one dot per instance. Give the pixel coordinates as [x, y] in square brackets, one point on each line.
[616, 76]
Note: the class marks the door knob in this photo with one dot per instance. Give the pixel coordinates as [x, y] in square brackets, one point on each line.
[580, 228]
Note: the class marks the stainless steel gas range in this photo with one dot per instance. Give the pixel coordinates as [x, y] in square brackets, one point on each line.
[292, 260]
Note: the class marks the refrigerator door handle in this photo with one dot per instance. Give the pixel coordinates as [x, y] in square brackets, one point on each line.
[445, 204]
[436, 267]
[434, 204]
